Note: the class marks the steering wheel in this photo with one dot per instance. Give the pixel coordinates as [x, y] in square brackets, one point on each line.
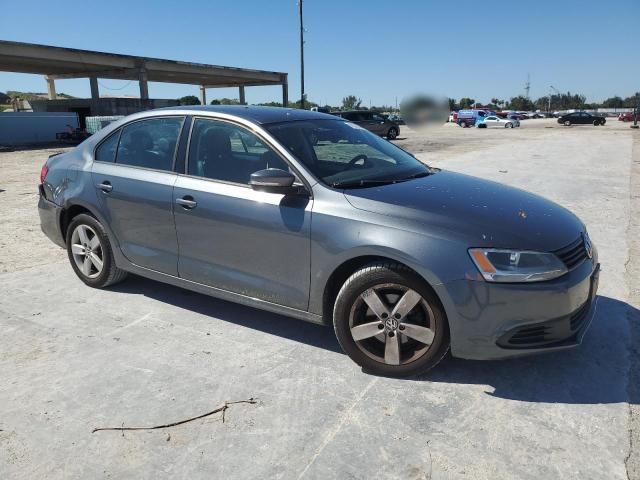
[357, 158]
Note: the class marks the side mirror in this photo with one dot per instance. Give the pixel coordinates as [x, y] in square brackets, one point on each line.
[274, 180]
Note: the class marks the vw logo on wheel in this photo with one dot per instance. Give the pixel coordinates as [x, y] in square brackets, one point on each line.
[587, 244]
[391, 324]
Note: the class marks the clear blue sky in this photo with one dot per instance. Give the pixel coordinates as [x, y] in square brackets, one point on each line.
[375, 49]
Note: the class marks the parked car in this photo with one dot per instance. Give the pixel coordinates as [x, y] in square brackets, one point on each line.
[405, 261]
[627, 116]
[581, 118]
[397, 119]
[372, 121]
[468, 118]
[495, 121]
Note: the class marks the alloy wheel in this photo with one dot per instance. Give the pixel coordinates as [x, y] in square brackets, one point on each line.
[392, 324]
[87, 251]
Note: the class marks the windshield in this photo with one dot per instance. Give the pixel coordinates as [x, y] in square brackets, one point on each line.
[344, 155]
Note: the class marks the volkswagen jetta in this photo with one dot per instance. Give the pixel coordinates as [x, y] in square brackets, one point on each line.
[308, 215]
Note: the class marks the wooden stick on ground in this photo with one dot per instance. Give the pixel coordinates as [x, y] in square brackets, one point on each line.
[221, 408]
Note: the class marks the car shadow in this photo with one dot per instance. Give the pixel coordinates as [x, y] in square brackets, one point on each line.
[596, 372]
[272, 323]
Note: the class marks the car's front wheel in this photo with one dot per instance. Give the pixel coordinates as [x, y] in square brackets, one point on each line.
[567, 123]
[392, 133]
[389, 321]
[508, 125]
[90, 252]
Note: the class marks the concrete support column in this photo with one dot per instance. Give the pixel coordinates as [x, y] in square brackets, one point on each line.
[285, 95]
[144, 87]
[203, 95]
[95, 92]
[51, 86]
[241, 91]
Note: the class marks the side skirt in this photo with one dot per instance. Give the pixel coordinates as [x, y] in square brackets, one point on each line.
[222, 294]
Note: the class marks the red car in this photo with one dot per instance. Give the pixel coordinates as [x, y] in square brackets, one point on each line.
[627, 116]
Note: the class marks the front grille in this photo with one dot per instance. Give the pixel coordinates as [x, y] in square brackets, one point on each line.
[549, 333]
[573, 254]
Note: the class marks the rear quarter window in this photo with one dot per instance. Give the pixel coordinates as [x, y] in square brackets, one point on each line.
[106, 151]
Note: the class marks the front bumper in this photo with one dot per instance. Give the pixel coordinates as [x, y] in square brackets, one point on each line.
[50, 219]
[491, 320]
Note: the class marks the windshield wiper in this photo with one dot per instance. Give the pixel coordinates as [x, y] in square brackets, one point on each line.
[362, 183]
[415, 175]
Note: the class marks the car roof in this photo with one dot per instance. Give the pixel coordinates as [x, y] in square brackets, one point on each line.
[253, 113]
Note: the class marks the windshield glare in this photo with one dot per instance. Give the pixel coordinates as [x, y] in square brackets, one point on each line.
[342, 153]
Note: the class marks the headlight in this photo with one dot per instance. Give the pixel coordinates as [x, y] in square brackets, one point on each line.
[516, 266]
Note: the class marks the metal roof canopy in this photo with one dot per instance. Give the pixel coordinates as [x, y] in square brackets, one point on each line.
[63, 63]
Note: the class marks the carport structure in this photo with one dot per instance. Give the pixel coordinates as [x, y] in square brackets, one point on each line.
[62, 63]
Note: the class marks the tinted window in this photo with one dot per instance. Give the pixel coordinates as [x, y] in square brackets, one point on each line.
[106, 152]
[224, 151]
[349, 116]
[150, 143]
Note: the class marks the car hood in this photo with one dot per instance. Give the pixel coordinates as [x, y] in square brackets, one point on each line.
[484, 213]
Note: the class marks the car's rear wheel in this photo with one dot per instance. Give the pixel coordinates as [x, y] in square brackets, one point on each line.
[463, 124]
[596, 123]
[567, 123]
[90, 253]
[389, 321]
[392, 133]
[508, 125]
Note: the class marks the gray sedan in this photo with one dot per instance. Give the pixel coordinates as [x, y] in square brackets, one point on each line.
[310, 216]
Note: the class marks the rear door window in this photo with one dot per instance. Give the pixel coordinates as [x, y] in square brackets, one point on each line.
[150, 143]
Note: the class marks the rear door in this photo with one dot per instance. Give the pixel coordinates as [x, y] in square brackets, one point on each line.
[134, 178]
[233, 237]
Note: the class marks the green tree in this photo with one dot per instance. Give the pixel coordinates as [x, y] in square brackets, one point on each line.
[453, 105]
[466, 102]
[521, 103]
[351, 102]
[189, 100]
[632, 101]
[270, 104]
[307, 103]
[613, 102]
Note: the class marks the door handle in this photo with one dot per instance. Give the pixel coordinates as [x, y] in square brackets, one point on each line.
[105, 186]
[187, 202]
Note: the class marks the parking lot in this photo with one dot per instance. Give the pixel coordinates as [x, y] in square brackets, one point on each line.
[143, 353]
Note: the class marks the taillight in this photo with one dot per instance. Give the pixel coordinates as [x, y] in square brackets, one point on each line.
[43, 173]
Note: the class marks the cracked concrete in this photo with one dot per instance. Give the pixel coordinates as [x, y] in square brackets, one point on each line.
[72, 358]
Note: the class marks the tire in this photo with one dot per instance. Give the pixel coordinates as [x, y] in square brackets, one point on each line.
[596, 123]
[392, 134]
[567, 123]
[374, 351]
[508, 125]
[463, 124]
[86, 234]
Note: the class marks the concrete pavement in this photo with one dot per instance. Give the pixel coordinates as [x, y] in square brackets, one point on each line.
[143, 353]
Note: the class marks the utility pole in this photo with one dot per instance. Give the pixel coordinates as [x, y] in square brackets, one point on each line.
[301, 55]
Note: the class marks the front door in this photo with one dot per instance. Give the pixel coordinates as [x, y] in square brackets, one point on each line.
[232, 237]
[134, 182]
